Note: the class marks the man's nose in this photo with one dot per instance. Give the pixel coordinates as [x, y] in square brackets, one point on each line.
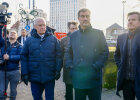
[42, 26]
[130, 21]
[85, 18]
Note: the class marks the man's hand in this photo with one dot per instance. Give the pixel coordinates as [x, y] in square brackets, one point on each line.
[25, 79]
[6, 57]
[96, 67]
[57, 75]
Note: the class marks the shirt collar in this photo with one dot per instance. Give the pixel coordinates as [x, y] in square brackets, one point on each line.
[41, 35]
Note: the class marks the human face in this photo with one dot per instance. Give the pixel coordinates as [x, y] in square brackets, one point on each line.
[84, 19]
[12, 35]
[40, 26]
[72, 28]
[133, 22]
[23, 33]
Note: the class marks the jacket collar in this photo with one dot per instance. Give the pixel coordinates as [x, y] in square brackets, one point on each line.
[85, 30]
[13, 44]
[47, 33]
[68, 34]
[132, 35]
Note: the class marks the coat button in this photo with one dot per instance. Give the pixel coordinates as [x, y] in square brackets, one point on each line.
[81, 46]
[81, 59]
[95, 50]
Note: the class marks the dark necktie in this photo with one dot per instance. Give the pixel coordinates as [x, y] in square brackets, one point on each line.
[23, 40]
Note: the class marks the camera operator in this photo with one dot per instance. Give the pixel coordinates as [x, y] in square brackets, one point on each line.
[12, 57]
[1, 39]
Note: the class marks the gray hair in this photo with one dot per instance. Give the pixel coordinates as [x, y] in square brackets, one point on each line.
[37, 19]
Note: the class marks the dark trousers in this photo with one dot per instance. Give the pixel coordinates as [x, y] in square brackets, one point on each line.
[129, 90]
[93, 94]
[69, 92]
[38, 88]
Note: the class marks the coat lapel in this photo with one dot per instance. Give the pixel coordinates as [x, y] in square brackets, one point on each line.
[125, 45]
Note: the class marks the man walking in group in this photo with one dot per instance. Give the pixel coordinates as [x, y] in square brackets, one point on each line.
[85, 55]
[41, 61]
[127, 57]
[72, 26]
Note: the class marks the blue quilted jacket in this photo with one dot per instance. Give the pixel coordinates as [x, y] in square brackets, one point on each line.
[41, 57]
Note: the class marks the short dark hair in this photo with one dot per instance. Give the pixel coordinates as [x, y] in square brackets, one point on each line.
[83, 10]
[72, 22]
[134, 12]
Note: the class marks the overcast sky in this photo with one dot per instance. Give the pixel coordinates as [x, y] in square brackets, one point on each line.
[104, 12]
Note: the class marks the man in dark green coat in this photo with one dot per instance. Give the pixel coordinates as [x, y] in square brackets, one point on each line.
[85, 55]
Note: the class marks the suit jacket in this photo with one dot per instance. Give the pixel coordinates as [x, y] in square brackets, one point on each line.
[121, 61]
[66, 72]
[19, 38]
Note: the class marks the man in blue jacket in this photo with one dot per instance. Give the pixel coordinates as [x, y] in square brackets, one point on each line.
[11, 56]
[127, 57]
[41, 61]
[85, 55]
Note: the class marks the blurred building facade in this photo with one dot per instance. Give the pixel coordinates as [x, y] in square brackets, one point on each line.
[62, 11]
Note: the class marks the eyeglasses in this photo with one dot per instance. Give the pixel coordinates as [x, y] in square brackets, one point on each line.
[83, 16]
[73, 28]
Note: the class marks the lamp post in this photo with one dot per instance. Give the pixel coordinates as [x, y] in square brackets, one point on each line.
[123, 2]
[29, 4]
[27, 15]
[33, 4]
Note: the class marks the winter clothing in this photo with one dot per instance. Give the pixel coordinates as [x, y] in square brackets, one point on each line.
[121, 60]
[11, 67]
[13, 50]
[66, 72]
[85, 55]
[41, 61]
[41, 57]
[87, 52]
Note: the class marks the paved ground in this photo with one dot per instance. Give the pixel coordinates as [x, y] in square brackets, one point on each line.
[24, 92]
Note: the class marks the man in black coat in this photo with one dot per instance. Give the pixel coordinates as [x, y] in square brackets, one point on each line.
[21, 39]
[127, 58]
[72, 26]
